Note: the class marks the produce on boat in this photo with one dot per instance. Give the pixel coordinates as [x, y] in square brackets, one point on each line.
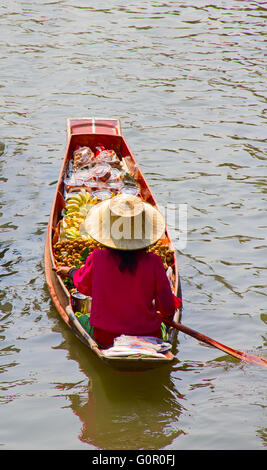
[98, 164]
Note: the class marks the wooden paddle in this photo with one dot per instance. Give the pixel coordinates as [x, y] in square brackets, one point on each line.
[205, 339]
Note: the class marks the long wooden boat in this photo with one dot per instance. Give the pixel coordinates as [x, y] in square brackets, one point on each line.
[94, 133]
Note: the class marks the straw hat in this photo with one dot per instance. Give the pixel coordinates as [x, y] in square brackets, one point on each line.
[125, 222]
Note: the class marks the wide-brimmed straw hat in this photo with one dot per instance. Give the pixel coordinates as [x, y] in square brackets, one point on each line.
[125, 222]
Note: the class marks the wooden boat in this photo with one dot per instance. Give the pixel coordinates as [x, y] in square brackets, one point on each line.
[92, 133]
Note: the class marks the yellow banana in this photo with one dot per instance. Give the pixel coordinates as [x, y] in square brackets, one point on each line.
[76, 199]
[82, 196]
[73, 203]
[72, 229]
[74, 218]
[83, 211]
[72, 234]
[70, 237]
[71, 213]
[71, 207]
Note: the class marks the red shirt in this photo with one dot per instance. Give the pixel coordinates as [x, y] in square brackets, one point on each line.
[122, 302]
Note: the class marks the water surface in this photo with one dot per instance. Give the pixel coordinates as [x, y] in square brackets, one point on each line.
[188, 81]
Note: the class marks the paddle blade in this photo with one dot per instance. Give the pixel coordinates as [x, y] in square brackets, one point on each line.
[205, 339]
[255, 359]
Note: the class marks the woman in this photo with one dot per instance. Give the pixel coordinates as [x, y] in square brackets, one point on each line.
[127, 284]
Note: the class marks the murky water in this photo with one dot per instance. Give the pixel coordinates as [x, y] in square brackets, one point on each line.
[188, 81]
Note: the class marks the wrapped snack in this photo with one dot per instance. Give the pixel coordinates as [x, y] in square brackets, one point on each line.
[128, 179]
[76, 179]
[115, 175]
[101, 195]
[130, 185]
[82, 157]
[69, 181]
[131, 167]
[104, 155]
[80, 177]
[114, 185]
[92, 184]
[101, 172]
[129, 189]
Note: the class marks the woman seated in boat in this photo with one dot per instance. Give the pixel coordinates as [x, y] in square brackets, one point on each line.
[127, 284]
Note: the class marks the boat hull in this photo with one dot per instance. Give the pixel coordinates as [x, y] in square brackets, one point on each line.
[93, 132]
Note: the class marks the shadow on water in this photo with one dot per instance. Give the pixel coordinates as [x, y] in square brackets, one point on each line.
[120, 409]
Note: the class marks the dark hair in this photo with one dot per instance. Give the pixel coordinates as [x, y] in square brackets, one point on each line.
[128, 259]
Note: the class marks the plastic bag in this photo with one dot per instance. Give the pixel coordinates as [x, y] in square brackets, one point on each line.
[128, 189]
[101, 172]
[101, 195]
[82, 157]
[115, 175]
[105, 155]
[77, 178]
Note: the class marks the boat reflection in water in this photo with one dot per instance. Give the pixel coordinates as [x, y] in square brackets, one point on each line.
[119, 409]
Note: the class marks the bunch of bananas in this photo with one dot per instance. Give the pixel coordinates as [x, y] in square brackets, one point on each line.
[79, 203]
[77, 207]
[72, 233]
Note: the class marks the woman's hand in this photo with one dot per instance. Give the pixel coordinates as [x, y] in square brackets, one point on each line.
[62, 271]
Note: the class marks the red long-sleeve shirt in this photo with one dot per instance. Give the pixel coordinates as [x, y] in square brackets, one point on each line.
[122, 302]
